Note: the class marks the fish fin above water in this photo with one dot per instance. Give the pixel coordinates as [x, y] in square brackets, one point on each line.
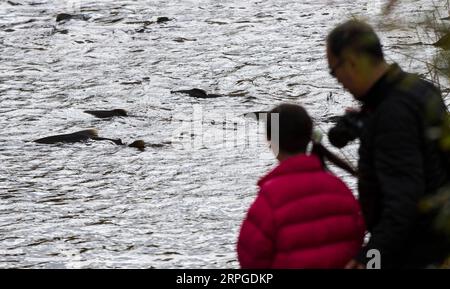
[107, 113]
[139, 144]
[195, 92]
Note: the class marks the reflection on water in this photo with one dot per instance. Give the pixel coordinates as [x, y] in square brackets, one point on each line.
[101, 205]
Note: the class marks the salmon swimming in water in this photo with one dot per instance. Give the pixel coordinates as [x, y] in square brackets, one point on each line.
[86, 135]
[107, 113]
[197, 93]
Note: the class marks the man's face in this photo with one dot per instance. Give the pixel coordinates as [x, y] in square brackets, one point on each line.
[344, 71]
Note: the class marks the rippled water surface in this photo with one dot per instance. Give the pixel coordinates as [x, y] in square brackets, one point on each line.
[100, 205]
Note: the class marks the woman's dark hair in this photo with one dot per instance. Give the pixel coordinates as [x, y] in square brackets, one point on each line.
[357, 36]
[294, 127]
[295, 131]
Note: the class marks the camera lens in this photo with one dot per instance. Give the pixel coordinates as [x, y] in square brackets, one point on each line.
[338, 136]
[347, 129]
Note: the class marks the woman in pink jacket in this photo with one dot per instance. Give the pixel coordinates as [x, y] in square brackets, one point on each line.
[303, 216]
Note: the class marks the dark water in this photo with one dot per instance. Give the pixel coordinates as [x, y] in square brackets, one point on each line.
[180, 203]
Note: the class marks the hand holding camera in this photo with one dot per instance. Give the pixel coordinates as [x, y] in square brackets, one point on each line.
[347, 129]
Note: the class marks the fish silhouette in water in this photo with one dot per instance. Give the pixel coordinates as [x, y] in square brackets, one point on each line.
[162, 19]
[79, 136]
[107, 113]
[139, 144]
[197, 93]
[65, 16]
[86, 135]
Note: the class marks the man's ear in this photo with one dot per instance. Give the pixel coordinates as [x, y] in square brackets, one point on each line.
[351, 58]
[364, 65]
[360, 65]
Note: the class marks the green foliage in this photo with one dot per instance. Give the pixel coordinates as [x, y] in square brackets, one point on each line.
[444, 140]
[441, 204]
[443, 42]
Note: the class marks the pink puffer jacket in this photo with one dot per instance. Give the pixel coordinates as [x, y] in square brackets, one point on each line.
[303, 217]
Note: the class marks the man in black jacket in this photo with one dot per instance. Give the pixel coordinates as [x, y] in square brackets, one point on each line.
[399, 163]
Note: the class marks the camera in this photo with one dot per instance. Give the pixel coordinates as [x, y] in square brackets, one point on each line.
[348, 128]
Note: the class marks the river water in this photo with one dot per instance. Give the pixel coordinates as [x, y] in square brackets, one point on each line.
[180, 203]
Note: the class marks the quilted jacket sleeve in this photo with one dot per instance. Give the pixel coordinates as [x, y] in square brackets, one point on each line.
[255, 244]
